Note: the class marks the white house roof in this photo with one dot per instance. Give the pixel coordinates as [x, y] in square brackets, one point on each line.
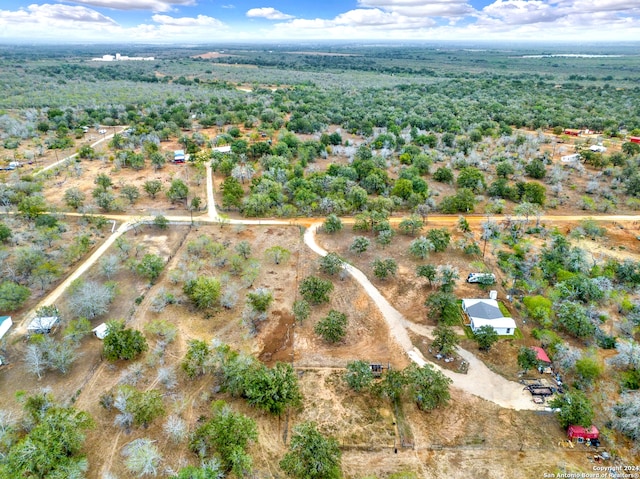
[43, 323]
[598, 148]
[100, 331]
[223, 149]
[486, 312]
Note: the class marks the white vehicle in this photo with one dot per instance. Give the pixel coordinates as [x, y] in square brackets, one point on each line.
[484, 278]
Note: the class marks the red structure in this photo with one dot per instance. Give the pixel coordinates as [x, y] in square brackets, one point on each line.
[572, 132]
[541, 355]
[582, 434]
[635, 139]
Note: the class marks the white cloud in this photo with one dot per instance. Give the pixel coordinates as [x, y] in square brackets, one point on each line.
[54, 15]
[423, 8]
[269, 13]
[153, 5]
[199, 21]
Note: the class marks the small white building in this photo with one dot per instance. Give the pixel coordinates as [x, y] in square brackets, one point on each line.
[570, 158]
[5, 324]
[598, 148]
[222, 149]
[43, 324]
[100, 331]
[486, 312]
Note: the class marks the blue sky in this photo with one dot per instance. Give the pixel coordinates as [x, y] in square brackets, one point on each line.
[211, 21]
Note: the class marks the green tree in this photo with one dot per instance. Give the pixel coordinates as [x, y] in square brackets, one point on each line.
[360, 244]
[427, 387]
[445, 339]
[178, 191]
[232, 193]
[74, 198]
[103, 181]
[332, 224]
[421, 247]
[383, 268]
[197, 361]
[144, 406]
[443, 175]
[630, 149]
[486, 337]
[260, 299]
[301, 310]
[5, 233]
[527, 358]
[32, 206]
[462, 202]
[122, 343]
[332, 328]
[228, 435]
[278, 254]
[535, 169]
[331, 263]
[12, 295]
[443, 307]
[504, 169]
[428, 271]
[52, 447]
[130, 192]
[311, 455]
[315, 290]
[440, 239]
[572, 316]
[203, 291]
[471, 178]
[152, 187]
[243, 249]
[359, 375]
[272, 389]
[160, 222]
[588, 369]
[411, 225]
[575, 409]
[150, 266]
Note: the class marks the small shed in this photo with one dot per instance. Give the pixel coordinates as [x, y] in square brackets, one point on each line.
[178, 156]
[100, 331]
[222, 149]
[634, 139]
[541, 355]
[570, 158]
[572, 132]
[598, 148]
[5, 324]
[43, 324]
[582, 434]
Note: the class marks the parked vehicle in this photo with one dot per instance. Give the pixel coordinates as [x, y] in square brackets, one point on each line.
[484, 278]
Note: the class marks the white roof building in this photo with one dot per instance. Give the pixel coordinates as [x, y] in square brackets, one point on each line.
[598, 148]
[5, 324]
[43, 324]
[222, 149]
[100, 331]
[486, 312]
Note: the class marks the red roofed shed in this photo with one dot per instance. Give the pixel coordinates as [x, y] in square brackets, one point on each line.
[635, 139]
[582, 434]
[541, 355]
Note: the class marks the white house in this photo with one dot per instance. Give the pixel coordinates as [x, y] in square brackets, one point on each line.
[486, 312]
[5, 324]
[100, 331]
[43, 324]
[570, 158]
[222, 149]
[598, 148]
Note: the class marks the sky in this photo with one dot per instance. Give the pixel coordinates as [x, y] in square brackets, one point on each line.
[211, 21]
